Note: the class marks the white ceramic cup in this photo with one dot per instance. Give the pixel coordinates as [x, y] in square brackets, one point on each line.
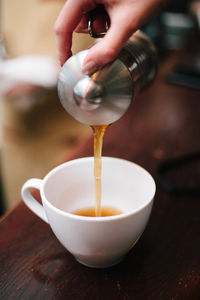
[100, 241]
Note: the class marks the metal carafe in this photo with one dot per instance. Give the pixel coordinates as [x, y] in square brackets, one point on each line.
[104, 97]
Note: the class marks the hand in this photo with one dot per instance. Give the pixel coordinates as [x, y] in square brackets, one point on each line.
[126, 16]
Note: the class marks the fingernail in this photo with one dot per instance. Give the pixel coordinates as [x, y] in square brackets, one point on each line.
[89, 68]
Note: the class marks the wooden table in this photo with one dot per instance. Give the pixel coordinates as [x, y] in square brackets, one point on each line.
[163, 123]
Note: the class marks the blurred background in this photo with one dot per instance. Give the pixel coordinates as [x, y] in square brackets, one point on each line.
[35, 131]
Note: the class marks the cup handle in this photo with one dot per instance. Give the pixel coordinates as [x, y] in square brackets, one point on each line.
[30, 201]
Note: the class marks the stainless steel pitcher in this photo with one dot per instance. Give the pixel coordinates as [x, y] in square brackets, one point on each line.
[103, 97]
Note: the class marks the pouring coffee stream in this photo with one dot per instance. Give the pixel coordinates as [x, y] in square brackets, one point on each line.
[103, 97]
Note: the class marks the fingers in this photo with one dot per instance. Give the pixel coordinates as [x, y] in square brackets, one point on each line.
[126, 17]
[108, 48]
[66, 23]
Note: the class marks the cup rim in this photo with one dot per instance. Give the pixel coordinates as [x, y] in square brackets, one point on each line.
[95, 219]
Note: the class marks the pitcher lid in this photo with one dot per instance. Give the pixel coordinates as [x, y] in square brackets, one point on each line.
[99, 99]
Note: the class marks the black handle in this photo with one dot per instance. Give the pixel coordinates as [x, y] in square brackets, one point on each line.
[98, 13]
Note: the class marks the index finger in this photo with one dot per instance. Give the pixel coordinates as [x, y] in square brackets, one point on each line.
[66, 22]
